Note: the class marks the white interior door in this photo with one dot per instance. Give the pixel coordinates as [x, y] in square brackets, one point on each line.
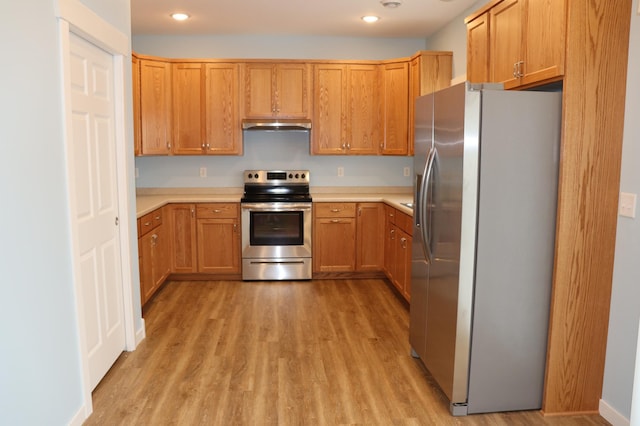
[94, 195]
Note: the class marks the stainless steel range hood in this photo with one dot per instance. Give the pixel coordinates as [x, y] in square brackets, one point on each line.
[272, 124]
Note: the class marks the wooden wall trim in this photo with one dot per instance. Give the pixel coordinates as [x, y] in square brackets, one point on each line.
[593, 117]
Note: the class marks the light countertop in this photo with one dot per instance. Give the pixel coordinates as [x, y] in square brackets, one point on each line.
[148, 199]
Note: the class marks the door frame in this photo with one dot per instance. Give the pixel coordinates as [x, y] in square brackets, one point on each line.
[74, 17]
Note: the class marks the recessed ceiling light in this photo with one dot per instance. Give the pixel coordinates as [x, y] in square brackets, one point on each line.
[370, 19]
[179, 16]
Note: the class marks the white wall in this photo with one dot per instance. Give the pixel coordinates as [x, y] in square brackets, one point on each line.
[39, 361]
[274, 150]
[40, 372]
[625, 297]
[453, 36]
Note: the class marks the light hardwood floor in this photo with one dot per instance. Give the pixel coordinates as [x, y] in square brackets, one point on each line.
[327, 352]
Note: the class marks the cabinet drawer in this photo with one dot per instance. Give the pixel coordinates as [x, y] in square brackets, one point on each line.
[157, 217]
[335, 209]
[404, 222]
[146, 223]
[217, 210]
[390, 214]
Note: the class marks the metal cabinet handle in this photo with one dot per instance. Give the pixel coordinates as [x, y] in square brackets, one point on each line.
[217, 211]
[403, 242]
[193, 212]
[393, 234]
[335, 210]
[348, 146]
[335, 220]
[147, 224]
[157, 217]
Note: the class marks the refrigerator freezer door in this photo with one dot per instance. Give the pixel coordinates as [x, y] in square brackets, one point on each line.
[446, 355]
[423, 144]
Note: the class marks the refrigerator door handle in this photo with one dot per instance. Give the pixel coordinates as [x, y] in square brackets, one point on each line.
[424, 205]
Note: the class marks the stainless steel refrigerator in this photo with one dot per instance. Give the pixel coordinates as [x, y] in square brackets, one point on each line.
[486, 168]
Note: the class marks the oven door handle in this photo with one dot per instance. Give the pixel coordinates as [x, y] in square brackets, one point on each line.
[262, 207]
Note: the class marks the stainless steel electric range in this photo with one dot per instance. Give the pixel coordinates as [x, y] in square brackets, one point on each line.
[276, 225]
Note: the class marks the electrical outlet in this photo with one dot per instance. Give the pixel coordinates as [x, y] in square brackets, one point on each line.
[340, 171]
[627, 205]
[407, 171]
[203, 172]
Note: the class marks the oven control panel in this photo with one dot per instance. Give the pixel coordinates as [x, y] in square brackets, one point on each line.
[276, 177]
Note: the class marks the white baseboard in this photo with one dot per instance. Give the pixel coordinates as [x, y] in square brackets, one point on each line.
[141, 333]
[611, 415]
[79, 417]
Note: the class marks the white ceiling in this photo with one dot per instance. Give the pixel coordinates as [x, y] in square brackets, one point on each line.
[412, 19]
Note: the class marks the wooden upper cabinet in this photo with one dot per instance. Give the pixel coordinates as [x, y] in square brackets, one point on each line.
[506, 41]
[545, 39]
[525, 46]
[222, 107]
[135, 74]
[155, 107]
[330, 109]
[429, 71]
[346, 114]
[478, 49]
[276, 90]
[206, 109]
[187, 109]
[363, 91]
[396, 109]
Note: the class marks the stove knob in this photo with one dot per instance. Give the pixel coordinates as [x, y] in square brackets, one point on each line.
[290, 175]
[255, 176]
[303, 176]
[297, 176]
[250, 176]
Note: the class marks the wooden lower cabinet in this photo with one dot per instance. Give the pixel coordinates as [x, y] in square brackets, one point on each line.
[153, 247]
[397, 249]
[334, 237]
[218, 235]
[347, 237]
[369, 238]
[184, 250]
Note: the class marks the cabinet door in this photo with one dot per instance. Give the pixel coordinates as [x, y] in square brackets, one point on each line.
[402, 278]
[334, 246]
[259, 90]
[478, 50]
[506, 41]
[183, 238]
[161, 263]
[396, 107]
[187, 109]
[145, 249]
[135, 74]
[222, 121]
[545, 40]
[218, 246]
[155, 107]
[364, 110]
[292, 90]
[330, 109]
[370, 237]
[389, 241]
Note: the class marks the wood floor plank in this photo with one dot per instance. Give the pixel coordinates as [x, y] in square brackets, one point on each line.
[326, 352]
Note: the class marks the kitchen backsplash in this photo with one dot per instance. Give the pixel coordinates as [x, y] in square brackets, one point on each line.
[272, 150]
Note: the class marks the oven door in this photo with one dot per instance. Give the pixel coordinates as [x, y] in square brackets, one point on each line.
[276, 230]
